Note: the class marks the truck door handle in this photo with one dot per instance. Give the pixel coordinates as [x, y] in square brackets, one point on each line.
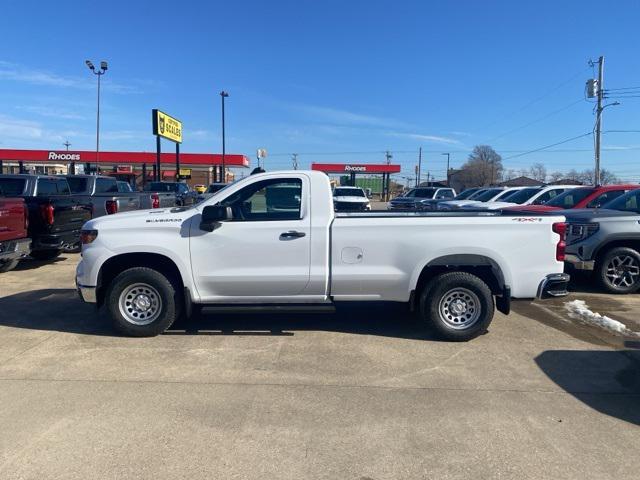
[292, 234]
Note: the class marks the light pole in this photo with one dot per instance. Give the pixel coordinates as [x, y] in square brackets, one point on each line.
[448, 157]
[101, 71]
[223, 95]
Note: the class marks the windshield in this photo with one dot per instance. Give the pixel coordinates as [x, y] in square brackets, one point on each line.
[488, 194]
[570, 198]
[466, 194]
[10, 187]
[421, 193]
[161, 187]
[629, 202]
[520, 196]
[348, 192]
[216, 187]
[77, 184]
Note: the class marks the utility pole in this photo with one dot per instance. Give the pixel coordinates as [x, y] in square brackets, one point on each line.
[599, 109]
[223, 95]
[67, 145]
[99, 72]
[388, 157]
[295, 161]
[448, 158]
[419, 167]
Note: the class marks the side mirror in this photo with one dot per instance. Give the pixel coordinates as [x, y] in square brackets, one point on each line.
[213, 215]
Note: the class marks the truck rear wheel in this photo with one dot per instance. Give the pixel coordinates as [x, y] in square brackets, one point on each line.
[142, 302]
[458, 305]
[618, 270]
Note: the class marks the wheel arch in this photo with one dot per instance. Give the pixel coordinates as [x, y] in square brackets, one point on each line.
[484, 267]
[121, 262]
[615, 241]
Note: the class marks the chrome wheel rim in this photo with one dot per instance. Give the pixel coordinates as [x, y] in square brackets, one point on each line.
[140, 304]
[459, 308]
[623, 271]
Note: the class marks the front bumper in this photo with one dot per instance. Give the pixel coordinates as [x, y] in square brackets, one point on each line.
[87, 294]
[14, 249]
[576, 262]
[553, 285]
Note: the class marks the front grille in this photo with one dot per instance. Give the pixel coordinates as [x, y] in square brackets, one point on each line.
[349, 206]
[402, 206]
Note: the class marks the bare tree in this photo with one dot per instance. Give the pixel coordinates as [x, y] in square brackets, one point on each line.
[509, 174]
[539, 172]
[483, 167]
[556, 176]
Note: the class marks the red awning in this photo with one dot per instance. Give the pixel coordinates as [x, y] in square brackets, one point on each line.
[355, 168]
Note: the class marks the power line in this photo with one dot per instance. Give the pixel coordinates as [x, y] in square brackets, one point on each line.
[537, 99]
[566, 107]
[549, 146]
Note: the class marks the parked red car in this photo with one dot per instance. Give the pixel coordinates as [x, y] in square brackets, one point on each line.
[580, 197]
[14, 244]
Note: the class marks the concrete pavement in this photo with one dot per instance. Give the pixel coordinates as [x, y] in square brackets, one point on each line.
[365, 393]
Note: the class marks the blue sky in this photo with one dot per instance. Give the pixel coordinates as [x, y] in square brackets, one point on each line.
[330, 80]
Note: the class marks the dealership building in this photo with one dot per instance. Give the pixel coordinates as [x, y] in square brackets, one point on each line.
[136, 168]
[349, 173]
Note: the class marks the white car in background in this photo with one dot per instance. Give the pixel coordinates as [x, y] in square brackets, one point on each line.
[350, 199]
[490, 194]
[524, 196]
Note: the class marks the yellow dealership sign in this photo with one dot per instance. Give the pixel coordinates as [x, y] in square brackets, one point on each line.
[166, 126]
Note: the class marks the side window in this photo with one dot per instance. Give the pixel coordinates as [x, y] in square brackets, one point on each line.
[46, 187]
[268, 200]
[546, 196]
[106, 185]
[604, 198]
[448, 194]
[444, 194]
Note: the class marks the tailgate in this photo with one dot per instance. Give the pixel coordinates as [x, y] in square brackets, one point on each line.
[128, 203]
[12, 219]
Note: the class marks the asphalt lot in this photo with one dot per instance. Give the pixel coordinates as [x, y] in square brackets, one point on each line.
[364, 394]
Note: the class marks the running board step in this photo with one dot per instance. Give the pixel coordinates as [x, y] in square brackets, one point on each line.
[270, 308]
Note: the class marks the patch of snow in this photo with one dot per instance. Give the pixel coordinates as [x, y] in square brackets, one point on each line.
[579, 310]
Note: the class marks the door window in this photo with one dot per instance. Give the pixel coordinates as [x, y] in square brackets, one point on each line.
[600, 200]
[548, 195]
[267, 200]
[106, 185]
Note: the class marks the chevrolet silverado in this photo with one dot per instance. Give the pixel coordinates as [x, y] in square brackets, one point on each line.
[237, 249]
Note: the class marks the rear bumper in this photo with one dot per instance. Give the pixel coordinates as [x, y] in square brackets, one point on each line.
[14, 249]
[553, 285]
[579, 264]
[55, 241]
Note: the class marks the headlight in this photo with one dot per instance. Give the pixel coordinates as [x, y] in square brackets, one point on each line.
[577, 232]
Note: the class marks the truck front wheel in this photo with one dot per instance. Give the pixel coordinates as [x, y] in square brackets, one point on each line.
[458, 305]
[142, 302]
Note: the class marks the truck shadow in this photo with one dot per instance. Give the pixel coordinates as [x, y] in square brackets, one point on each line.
[31, 263]
[606, 380]
[62, 310]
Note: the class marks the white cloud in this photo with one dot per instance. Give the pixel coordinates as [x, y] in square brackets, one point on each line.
[45, 111]
[425, 138]
[19, 73]
[20, 129]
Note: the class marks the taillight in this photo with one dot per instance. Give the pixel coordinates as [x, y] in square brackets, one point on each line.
[88, 236]
[47, 213]
[111, 207]
[560, 229]
[155, 200]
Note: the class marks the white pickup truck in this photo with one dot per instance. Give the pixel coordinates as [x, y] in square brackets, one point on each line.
[274, 239]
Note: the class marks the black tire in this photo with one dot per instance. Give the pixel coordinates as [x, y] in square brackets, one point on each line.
[623, 279]
[465, 291]
[8, 265]
[156, 288]
[45, 254]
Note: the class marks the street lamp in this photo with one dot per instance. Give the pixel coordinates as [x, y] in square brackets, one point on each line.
[99, 73]
[223, 95]
[448, 156]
